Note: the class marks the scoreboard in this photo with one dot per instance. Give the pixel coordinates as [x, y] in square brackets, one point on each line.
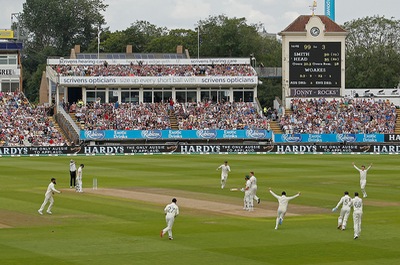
[315, 65]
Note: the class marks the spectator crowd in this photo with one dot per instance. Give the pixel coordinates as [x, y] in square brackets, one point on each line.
[155, 116]
[155, 70]
[22, 124]
[223, 116]
[125, 116]
[344, 116]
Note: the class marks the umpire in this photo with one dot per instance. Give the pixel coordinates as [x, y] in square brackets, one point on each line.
[72, 173]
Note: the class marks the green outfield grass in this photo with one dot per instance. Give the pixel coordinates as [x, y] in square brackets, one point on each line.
[95, 229]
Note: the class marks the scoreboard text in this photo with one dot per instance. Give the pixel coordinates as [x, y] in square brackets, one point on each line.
[315, 64]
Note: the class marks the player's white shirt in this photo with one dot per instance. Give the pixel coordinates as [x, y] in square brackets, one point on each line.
[283, 200]
[345, 201]
[363, 173]
[357, 204]
[171, 210]
[224, 170]
[50, 190]
[253, 181]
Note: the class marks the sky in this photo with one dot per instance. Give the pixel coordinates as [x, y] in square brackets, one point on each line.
[275, 15]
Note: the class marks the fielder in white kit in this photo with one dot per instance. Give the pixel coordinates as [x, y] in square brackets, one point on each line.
[171, 211]
[79, 187]
[357, 214]
[248, 195]
[225, 169]
[363, 177]
[345, 201]
[48, 197]
[253, 181]
[283, 204]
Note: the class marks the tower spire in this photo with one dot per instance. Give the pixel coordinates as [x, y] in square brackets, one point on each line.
[313, 7]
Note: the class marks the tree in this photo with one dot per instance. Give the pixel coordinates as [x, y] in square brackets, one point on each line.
[168, 43]
[268, 90]
[372, 52]
[53, 27]
[140, 34]
[227, 37]
[62, 24]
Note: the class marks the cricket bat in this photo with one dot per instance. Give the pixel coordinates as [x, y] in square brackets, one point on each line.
[234, 189]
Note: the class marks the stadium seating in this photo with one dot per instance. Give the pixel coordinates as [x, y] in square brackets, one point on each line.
[317, 116]
[22, 124]
[154, 70]
[154, 116]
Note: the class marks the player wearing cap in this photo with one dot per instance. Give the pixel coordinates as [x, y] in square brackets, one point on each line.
[345, 211]
[48, 197]
[171, 211]
[283, 204]
[225, 169]
[363, 177]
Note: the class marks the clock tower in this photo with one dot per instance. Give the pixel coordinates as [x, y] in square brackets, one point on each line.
[313, 58]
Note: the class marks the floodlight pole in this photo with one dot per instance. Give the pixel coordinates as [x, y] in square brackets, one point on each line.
[98, 42]
[198, 41]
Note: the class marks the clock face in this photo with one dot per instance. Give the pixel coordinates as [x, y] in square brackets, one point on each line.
[314, 31]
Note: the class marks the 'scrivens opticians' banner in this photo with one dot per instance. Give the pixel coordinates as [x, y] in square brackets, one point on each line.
[154, 81]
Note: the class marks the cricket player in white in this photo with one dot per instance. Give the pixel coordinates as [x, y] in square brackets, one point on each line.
[253, 181]
[79, 179]
[345, 211]
[248, 198]
[363, 177]
[48, 197]
[357, 214]
[171, 211]
[225, 169]
[283, 204]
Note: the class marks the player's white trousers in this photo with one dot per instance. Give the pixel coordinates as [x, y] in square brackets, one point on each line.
[79, 185]
[363, 183]
[170, 222]
[254, 193]
[342, 219]
[46, 200]
[357, 216]
[248, 200]
[223, 181]
[281, 215]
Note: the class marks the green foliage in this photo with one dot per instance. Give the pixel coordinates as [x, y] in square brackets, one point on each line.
[228, 37]
[32, 84]
[373, 52]
[140, 35]
[168, 43]
[62, 24]
[268, 90]
[52, 28]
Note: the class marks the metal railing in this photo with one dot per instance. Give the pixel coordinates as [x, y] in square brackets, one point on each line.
[68, 125]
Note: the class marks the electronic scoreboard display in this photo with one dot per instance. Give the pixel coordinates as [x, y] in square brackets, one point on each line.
[315, 64]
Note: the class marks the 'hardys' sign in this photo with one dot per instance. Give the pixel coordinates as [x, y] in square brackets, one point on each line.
[202, 149]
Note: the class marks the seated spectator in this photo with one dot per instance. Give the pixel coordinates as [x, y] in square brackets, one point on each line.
[23, 124]
[155, 70]
[344, 116]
